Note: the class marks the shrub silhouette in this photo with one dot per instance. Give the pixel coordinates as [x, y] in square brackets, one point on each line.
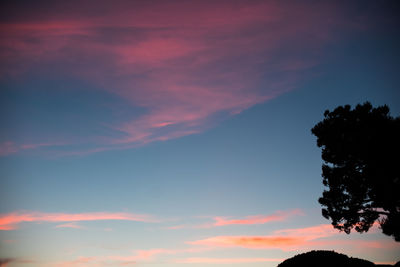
[318, 258]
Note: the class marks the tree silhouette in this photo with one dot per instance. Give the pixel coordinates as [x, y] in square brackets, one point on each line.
[361, 149]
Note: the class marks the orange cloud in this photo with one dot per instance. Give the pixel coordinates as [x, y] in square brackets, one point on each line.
[294, 239]
[258, 242]
[286, 239]
[385, 262]
[10, 221]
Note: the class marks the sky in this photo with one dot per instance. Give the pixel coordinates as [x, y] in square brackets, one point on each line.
[177, 133]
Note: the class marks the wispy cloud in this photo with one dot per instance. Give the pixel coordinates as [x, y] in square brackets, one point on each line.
[313, 237]
[227, 260]
[142, 255]
[176, 227]
[258, 219]
[260, 242]
[187, 66]
[247, 220]
[312, 232]
[10, 221]
[69, 225]
[9, 147]
[296, 239]
[139, 257]
[281, 239]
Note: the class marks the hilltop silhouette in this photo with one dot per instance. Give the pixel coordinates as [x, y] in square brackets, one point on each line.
[317, 258]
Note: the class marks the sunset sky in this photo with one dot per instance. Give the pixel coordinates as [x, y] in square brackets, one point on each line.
[177, 133]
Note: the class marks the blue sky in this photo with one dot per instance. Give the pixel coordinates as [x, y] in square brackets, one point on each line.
[127, 134]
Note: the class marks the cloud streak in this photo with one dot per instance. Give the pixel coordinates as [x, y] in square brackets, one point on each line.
[9, 147]
[257, 219]
[227, 260]
[186, 65]
[11, 221]
[258, 242]
[313, 237]
[73, 225]
[278, 216]
[286, 239]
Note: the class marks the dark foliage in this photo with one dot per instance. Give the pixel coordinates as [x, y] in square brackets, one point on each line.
[361, 150]
[317, 258]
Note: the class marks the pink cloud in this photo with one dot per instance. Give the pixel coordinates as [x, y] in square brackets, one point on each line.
[188, 65]
[287, 239]
[69, 225]
[258, 219]
[258, 242]
[9, 147]
[176, 227]
[312, 232]
[314, 237]
[142, 255]
[255, 219]
[10, 221]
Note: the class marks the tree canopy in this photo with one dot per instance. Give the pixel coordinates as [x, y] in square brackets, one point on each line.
[361, 170]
